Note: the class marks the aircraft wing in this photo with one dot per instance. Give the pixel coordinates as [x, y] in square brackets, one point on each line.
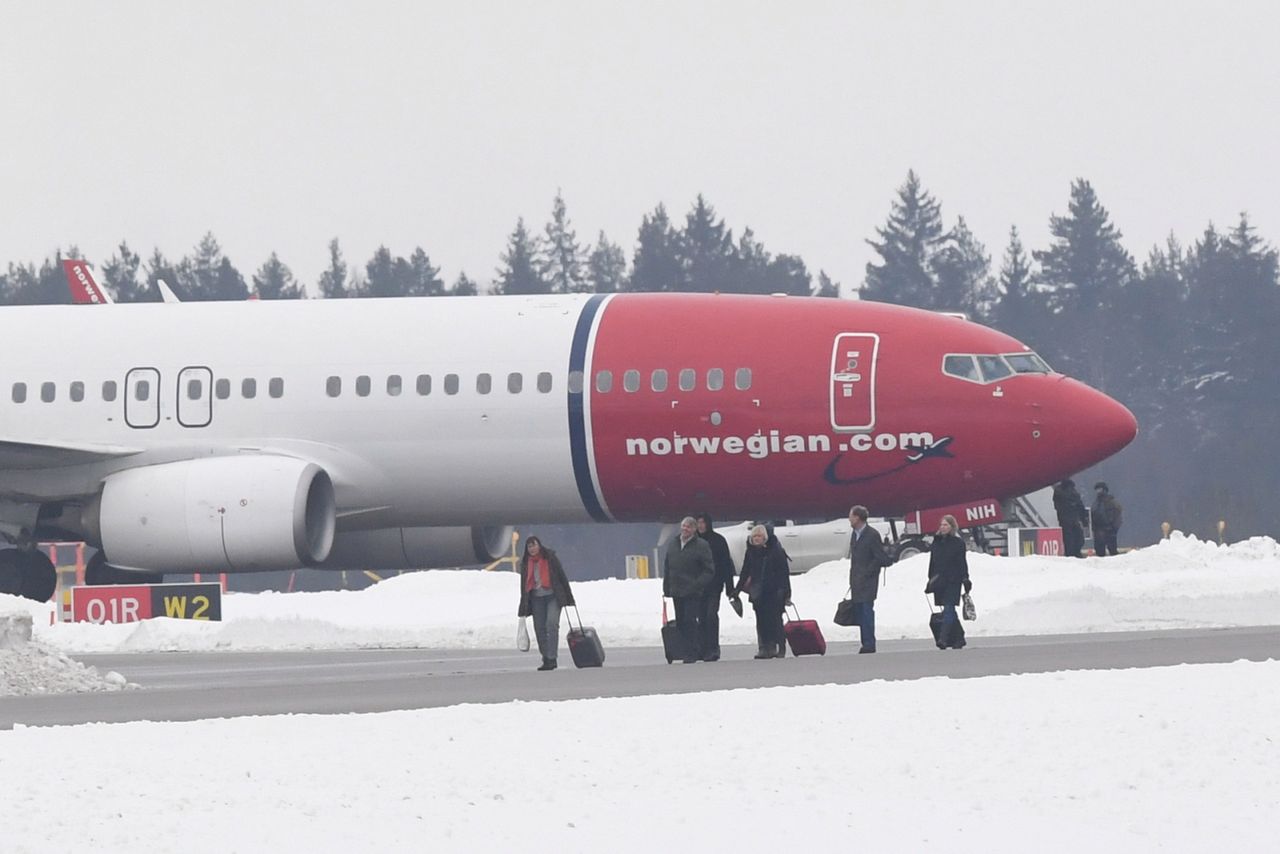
[39, 455]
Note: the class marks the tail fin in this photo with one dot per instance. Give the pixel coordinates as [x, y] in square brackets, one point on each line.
[84, 289]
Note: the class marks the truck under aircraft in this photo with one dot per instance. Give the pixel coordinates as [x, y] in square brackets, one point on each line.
[390, 433]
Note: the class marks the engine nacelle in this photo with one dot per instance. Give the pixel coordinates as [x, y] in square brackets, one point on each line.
[220, 514]
[418, 548]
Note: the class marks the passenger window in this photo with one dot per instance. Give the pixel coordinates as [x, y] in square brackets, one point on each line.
[108, 392]
[222, 388]
[77, 391]
[48, 391]
[484, 383]
[249, 388]
[631, 381]
[195, 389]
[715, 379]
[962, 367]
[364, 385]
[658, 380]
[450, 383]
[393, 385]
[993, 368]
[424, 384]
[20, 392]
[688, 379]
[142, 390]
[742, 379]
[515, 383]
[275, 387]
[544, 382]
[575, 382]
[604, 381]
[332, 386]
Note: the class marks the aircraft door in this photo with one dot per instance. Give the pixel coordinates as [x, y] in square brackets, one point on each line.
[142, 398]
[195, 397]
[853, 381]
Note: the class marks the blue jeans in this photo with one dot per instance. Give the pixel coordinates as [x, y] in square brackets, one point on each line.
[546, 625]
[868, 627]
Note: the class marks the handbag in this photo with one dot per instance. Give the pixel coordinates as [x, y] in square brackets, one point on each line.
[969, 612]
[848, 613]
[522, 635]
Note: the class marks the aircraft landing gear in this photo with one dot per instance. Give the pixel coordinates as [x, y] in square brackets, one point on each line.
[28, 573]
[98, 572]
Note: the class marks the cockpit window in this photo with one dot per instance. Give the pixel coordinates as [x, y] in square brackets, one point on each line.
[962, 367]
[993, 368]
[1027, 363]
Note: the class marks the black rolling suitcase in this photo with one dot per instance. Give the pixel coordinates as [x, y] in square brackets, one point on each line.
[584, 643]
[673, 643]
[957, 631]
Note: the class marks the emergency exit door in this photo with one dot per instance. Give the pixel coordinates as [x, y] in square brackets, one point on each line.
[142, 398]
[195, 397]
[853, 381]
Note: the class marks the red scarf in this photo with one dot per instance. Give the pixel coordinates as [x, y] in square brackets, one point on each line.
[544, 571]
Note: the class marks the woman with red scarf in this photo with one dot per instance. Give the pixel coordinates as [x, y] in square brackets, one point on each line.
[544, 590]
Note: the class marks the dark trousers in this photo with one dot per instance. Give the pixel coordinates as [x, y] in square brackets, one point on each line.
[868, 626]
[546, 625]
[1072, 540]
[689, 621]
[946, 637]
[769, 633]
[711, 623]
[1104, 542]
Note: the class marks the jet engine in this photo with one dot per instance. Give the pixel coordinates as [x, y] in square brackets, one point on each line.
[220, 514]
[418, 548]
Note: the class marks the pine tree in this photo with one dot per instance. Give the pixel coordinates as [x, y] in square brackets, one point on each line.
[120, 277]
[907, 246]
[519, 271]
[1019, 309]
[606, 267]
[560, 260]
[333, 281]
[962, 269]
[787, 274]
[706, 251]
[826, 287]
[1085, 266]
[160, 270]
[425, 278]
[386, 275]
[210, 275]
[464, 286]
[274, 280]
[655, 265]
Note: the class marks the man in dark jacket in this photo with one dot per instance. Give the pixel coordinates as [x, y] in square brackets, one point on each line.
[685, 578]
[1070, 507]
[1106, 520]
[866, 557]
[723, 580]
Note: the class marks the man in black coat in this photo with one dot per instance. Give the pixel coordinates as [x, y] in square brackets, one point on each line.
[1070, 507]
[866, 557]
[723, 580]
[686, 575]
[1106, 520]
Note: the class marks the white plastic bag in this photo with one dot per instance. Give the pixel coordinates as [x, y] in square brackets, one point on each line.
[522, 635]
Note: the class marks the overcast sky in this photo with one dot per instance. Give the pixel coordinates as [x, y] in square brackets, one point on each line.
[279, 126]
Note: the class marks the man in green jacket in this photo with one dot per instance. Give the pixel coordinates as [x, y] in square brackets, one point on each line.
[688, 572]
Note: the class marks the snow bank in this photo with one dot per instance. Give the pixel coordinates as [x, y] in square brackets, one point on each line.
[1181, 582]
[33, 668]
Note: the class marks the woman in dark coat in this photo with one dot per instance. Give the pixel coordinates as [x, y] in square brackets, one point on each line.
[948, 573]
[766, 576]
[544, 590]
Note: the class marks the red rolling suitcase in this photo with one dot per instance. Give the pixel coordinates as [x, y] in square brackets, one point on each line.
[584, 644]
[804, 636]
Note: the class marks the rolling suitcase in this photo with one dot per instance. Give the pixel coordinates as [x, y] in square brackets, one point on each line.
[584, 644]
[804, 636]
[957, 632]
[673, 644]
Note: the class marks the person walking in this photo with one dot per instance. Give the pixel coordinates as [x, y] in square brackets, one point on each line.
[723, 581]
[766, 577]
[1106, 520]
[686, 576]
[1070, 507]
[948, 573]
[866, 558]
[544, 591]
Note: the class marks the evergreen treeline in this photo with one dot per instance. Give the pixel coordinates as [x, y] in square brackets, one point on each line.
[1185, 338]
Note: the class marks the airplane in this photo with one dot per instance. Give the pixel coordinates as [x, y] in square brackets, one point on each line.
[390, 433]
[85, 289]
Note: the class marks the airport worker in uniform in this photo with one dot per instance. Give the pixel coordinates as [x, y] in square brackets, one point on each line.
[766, 576]
[544, 591]
[688, 572]
[723, 580]
[1106, 520]
[948, 573]
[1070, 508]
[866, 558]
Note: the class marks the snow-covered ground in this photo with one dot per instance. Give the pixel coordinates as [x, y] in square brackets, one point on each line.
[1173, 759]
[1181, 582]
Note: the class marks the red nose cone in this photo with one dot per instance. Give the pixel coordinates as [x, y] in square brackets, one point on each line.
[1101, 426]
